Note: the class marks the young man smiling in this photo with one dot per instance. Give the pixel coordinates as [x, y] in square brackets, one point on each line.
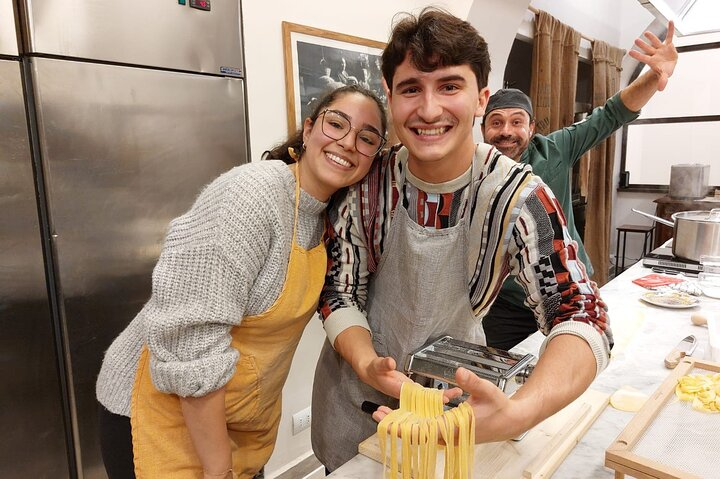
[420, 247]
[436, 111]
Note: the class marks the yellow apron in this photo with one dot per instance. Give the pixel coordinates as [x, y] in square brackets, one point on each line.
[161, 443]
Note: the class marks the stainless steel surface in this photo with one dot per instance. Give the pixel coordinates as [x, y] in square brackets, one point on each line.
[120, 151]
[696, 234]
[703, 216]
[661, 260]
[688, 345]
[32, 444]
[656, 218]
[8, 38]
[684, 348]
[440, 359]
[155, 33]
[125, 150]
[689, 181]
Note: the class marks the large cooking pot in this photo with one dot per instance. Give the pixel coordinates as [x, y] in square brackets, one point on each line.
[695, 233]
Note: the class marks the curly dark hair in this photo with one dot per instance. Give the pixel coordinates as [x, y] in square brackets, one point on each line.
[295, 141]
[435, 39]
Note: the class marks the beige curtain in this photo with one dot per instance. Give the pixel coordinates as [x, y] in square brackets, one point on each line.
[556, 49]
[597, 171]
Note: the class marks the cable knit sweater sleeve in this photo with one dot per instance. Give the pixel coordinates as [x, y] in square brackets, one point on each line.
[209, 262]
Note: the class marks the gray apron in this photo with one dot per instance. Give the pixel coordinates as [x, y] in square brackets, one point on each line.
[418, 293]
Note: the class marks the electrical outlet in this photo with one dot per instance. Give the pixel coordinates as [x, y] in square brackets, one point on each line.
[301, 421]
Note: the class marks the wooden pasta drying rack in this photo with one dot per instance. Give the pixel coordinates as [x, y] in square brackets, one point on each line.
[628, 454]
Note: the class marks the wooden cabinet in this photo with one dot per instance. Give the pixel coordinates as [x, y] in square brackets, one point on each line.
[666, 206]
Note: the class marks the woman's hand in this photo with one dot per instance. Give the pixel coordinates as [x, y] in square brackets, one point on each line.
[205, 420]
[221, 475]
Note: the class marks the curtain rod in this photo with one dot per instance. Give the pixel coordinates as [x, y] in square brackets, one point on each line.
[536, 11]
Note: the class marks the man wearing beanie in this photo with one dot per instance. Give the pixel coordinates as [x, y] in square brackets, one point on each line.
[520, 120]
[509, 125]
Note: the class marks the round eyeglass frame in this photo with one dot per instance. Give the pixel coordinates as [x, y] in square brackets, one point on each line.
[383, 140]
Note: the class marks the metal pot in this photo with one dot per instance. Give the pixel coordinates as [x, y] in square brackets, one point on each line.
[695, 233]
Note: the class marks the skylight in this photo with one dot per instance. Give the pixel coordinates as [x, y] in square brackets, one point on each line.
[691, 17]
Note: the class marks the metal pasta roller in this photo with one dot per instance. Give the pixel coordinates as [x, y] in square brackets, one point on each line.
[435, 364]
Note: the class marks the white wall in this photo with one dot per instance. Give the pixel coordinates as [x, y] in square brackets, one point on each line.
[268, 125]
[499, 31]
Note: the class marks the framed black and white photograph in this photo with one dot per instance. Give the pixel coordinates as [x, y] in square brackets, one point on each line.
[317, 61]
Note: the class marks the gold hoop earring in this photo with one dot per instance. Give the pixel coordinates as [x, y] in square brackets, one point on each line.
[293, 154]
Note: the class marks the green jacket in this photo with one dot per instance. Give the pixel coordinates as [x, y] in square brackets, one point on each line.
[552, 158]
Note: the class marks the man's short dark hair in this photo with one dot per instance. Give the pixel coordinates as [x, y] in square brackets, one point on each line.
[436, 39]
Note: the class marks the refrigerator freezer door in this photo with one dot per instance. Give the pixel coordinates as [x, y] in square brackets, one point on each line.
[162, 34]
[125, 150]
[8, 37]
[33, 433]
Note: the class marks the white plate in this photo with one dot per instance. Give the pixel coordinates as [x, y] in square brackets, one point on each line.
[670, 299]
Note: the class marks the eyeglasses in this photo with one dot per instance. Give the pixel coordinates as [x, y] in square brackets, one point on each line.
[336, 126]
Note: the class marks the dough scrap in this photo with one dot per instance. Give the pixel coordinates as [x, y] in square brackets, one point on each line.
[628, 399]
[699, 319]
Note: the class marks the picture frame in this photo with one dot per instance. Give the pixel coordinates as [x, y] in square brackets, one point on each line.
[318, 60]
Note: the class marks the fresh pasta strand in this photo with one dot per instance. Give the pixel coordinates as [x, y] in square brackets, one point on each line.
[406, 440]
[414, 448]
[391, 419]
[421, 421]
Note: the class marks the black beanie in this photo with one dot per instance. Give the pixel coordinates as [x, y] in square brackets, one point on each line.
[509, 98]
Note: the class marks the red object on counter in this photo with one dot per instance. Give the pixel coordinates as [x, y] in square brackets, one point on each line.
[654, 280]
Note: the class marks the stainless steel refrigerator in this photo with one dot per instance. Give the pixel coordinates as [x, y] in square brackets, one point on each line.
[113, 115]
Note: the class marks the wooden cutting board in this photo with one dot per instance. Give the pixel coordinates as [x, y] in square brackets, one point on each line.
[535, 456]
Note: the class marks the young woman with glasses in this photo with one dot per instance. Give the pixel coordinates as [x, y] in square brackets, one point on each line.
[192, 387]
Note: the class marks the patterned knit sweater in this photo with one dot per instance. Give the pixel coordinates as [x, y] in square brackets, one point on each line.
[224, 259]
[515, 226]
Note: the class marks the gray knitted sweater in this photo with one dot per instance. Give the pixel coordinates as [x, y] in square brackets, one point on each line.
[224, 259]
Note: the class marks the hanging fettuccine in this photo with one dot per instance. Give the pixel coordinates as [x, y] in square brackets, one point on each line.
[418, 421]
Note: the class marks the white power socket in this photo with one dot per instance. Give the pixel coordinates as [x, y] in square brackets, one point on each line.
[301, 421]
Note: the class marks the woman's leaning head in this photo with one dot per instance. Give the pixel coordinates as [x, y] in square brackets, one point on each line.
[295, 141]
[337, 143]
[332, 96]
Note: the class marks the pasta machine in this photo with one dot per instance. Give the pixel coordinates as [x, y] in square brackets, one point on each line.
[434, 364]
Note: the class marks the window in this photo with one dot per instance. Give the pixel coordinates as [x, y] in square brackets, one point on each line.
[679, 125]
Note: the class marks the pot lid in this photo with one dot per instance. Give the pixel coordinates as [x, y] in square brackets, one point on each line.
[712, 216]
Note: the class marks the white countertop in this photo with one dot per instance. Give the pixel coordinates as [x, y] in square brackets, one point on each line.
[644, 334]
